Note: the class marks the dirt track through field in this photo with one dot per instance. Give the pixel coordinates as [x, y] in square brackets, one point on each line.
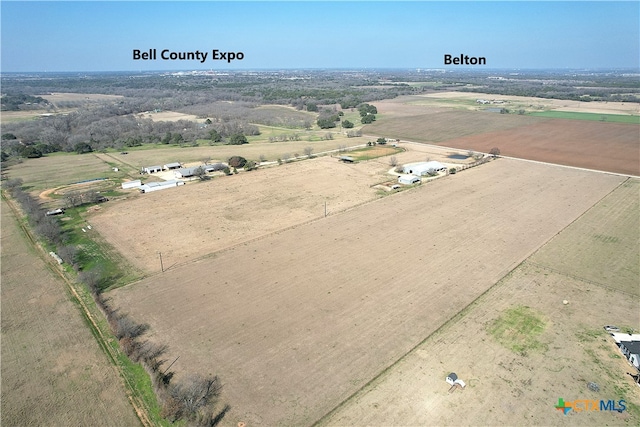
[297, 322]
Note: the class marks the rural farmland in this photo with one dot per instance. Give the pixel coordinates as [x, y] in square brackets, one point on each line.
[367, 251]
[372, 277]
[53, 371]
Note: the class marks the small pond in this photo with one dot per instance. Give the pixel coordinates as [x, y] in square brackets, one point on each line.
[458, 156]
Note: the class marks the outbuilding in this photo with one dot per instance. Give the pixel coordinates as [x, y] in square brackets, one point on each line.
[157, 186]
[175, 165]
[423, 168]
[152, 169]
[451, 378]
[408, 179]
[186, 172]
[131, 184]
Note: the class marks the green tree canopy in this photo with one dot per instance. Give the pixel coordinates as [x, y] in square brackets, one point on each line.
[82, 147]
[238, 139]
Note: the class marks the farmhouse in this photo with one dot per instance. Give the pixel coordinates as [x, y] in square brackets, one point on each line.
[169, 166]
[152, 169]
[157, 186]
[423, 168]
[629, 345]
[131, 184]
[409, 179]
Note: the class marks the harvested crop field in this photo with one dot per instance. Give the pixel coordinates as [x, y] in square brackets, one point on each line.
[298, 321]
[443, 126]
[612, 147]
[53, 371]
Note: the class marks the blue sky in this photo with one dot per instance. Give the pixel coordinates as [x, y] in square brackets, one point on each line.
[101, 36]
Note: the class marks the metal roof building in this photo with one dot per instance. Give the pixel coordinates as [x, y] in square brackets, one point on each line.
[423, 168]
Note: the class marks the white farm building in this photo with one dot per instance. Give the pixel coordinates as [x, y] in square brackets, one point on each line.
[157, 186]
[152, 169]
[423, 168]
[131, 184]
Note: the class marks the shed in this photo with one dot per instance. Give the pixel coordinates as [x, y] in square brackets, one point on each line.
[346, 159]
[175, 165]
[423, 168]
[152, 169]
[451, 378]
[131, 184]
[408, 179]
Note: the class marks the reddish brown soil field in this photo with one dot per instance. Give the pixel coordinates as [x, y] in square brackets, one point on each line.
[298, 321]
[612, 147]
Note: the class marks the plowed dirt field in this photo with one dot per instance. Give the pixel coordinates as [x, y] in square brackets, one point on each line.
[298, 321]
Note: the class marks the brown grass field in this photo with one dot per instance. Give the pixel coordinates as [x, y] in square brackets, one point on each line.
[298, 321]
[229, 210]
[604, 245]
[53, 371]
[506, 388]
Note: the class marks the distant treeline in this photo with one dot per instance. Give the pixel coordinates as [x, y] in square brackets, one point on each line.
[231, 101]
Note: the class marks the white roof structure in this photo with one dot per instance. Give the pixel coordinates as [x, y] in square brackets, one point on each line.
[423, 168]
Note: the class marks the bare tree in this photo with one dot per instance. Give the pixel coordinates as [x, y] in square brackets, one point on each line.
[73, 199]
[200, 173]
[308, 151]
[495, 152]
[393, 161]
[262, 158]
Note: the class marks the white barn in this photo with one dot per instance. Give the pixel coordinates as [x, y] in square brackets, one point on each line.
[152, 169]
[408, 179]
[423, 168]
[157, 186]
[131, 184]
[175, 165]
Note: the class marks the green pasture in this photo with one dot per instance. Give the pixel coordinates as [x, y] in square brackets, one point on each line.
[518, 329]
[610, 118]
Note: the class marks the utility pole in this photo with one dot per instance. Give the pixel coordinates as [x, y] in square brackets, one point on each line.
[325, 208]
[161, 266]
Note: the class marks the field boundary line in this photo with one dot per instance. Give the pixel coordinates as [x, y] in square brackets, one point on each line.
[582, 279]
[457, 316]
[138, 404]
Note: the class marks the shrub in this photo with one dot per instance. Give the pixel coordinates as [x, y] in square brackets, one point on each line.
[237, 161]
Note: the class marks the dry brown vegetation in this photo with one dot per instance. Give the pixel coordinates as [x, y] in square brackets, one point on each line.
[298, 321]
[53, 371]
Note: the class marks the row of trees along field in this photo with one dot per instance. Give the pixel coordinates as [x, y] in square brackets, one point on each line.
[194, 398]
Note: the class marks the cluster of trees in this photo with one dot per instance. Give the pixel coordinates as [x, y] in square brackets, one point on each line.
[328, 118]
[20, 101]
[367, 113]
